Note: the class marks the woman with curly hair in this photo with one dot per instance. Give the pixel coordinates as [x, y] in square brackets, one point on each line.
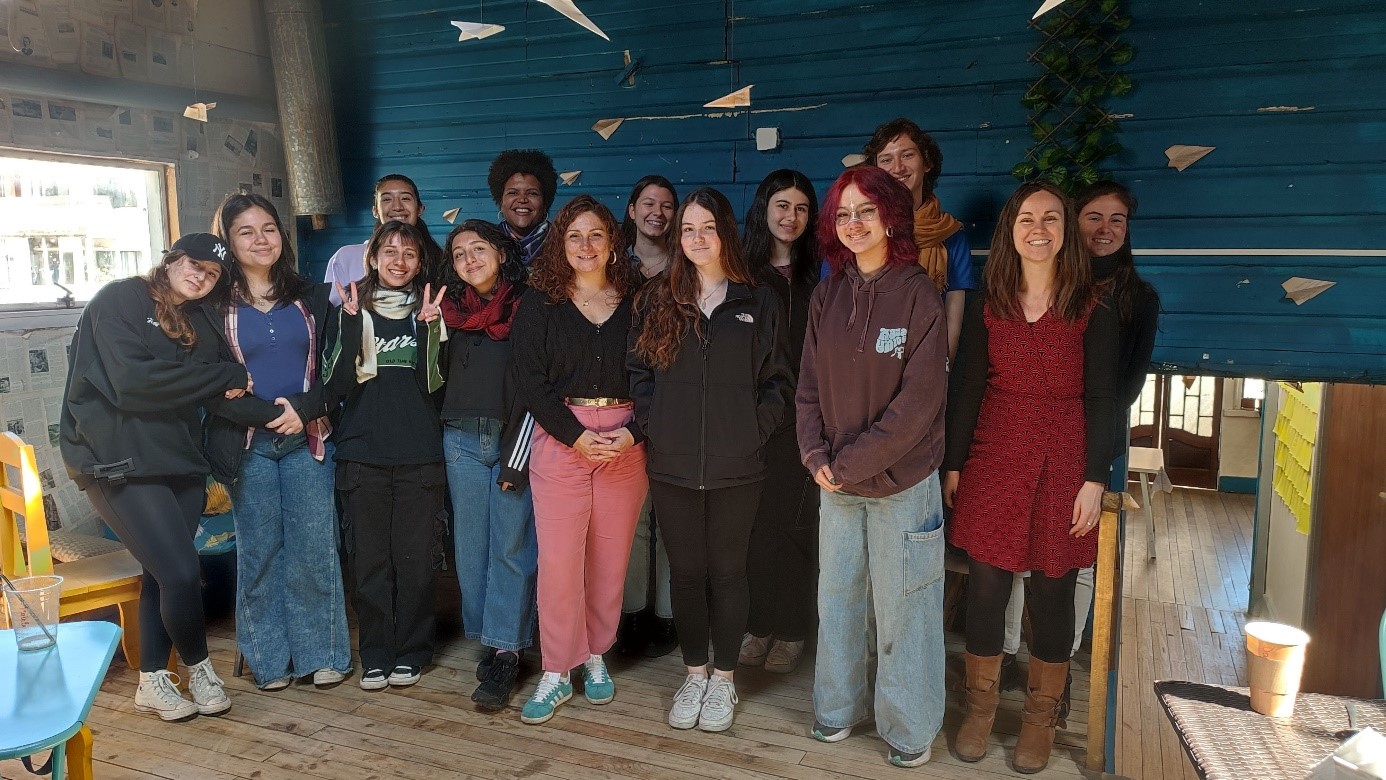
[711, 379]
[870, 421]
[587, 457]
[523, 183]
[485, 441]
[782, 254]
[1030, 416]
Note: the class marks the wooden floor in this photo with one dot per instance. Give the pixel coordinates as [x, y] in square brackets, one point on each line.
[1183, 615]
[1183, 618]
[432, 731]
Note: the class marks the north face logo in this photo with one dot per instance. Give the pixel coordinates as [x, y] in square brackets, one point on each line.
[892, 341]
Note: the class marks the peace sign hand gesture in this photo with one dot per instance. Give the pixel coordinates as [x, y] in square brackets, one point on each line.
[350, 304]
[431, 306]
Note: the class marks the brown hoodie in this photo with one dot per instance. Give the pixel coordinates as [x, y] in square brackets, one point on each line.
[873, 380]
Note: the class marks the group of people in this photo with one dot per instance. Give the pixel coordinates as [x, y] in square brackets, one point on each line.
[777, 415]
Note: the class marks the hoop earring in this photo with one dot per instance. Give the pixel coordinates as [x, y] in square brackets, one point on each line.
[890, 232]
[500, 216]
[612, 261]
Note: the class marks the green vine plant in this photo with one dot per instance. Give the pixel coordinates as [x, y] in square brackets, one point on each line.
[1069, 121]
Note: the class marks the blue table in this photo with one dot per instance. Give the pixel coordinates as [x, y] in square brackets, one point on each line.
[46, 695]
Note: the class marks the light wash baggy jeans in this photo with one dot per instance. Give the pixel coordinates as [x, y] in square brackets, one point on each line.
[290, 609]
[493, 538]
[882, 556]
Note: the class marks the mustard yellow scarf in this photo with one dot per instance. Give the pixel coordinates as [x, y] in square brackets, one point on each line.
[932, 226]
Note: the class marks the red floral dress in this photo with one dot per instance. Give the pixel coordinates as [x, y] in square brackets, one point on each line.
[1014, 504]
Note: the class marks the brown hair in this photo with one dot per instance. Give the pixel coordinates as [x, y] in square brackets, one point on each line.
[173, 320]
[1001, 276]
[409, 235]
[669, 303]
[550, 273]
[928, 148]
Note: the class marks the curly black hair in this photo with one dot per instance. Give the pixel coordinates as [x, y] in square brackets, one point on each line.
[530, 161]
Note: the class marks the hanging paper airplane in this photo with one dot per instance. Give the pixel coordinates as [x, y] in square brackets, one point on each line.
[1299, 289]
[853, 159]
[1048, 6]
[737, 99]
[198, 111]
[569, 177]
[475, 31]
[1182, 156]
[605, 127]
[570, 10]
[451, 215]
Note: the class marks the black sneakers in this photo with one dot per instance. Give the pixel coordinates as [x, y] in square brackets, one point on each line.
[493, 694]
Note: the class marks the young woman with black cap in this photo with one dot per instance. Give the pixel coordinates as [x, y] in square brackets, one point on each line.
[144, 358]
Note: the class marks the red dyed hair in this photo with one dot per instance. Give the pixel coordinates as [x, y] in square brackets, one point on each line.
[895, 205]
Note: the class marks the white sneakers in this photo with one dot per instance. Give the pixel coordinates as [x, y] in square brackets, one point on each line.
[719, 705]
[158, 693]
[207, 689]
[708, 703]
[688, 702]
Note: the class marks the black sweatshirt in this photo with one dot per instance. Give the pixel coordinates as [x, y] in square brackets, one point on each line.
[131, 403]
[708, 416]
[794, 309]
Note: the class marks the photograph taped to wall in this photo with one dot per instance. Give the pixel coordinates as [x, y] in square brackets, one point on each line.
[28, 126]
[163, 57]
[63, 39]
[132, 50]
[163, 135]
[98, 56]
[132, 136]
[27, 36]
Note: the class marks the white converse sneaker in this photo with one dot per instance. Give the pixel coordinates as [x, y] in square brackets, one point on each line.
[207, 689]
[688, 702]
[327, 677]
[158, 693]
[719, 705]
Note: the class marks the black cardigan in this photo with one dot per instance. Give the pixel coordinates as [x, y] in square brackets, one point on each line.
[708, 416]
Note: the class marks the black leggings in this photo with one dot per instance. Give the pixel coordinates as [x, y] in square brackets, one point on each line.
[707, 533]
[156, 518]
[1051, 612]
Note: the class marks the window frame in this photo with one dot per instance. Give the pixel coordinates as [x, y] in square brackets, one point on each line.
[31, 315]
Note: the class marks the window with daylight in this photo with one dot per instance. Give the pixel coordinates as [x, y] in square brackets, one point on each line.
[68, 225]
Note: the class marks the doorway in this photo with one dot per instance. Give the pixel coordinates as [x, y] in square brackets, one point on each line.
[1181, 414]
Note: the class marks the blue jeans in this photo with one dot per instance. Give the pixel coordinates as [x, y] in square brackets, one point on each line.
[493, 538]
[881, 570]
[290, 611]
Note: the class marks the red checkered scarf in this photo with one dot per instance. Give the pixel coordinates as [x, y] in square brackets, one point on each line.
[318, 430]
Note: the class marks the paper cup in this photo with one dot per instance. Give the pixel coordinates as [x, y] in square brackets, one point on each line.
[1274, 662]
[32, 607]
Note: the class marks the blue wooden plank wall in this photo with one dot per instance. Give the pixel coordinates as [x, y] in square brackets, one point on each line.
[1290, 93]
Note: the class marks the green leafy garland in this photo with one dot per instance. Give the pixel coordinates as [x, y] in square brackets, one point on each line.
[1069, 121]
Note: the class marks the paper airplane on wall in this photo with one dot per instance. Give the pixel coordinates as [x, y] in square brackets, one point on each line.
[451, 215]
[1182, 156]
[570, 10]
[475, 31]
[569, 177]
[198, 111]
[605, 127]
[1299, 289]
[737, 99]
[1048, 6]
[853, 159]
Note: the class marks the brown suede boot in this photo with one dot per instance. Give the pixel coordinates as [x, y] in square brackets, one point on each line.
[1041, 713]
[983, 691]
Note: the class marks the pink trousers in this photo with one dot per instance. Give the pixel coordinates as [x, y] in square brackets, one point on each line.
[584, 515]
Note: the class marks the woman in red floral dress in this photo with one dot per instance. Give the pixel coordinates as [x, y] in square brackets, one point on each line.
[1029, 429]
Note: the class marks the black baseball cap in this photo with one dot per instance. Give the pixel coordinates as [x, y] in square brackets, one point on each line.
[205, 247]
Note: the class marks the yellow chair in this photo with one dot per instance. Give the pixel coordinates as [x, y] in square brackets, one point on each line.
[112, 579]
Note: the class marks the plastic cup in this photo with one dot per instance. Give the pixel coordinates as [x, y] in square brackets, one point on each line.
[1274, 662]
[32, 607]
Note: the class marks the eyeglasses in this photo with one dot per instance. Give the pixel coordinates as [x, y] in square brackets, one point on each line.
[866, 214]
